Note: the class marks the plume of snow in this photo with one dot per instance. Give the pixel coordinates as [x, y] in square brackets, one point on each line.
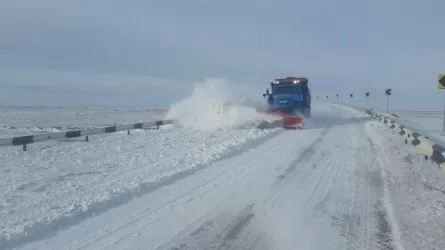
[217, 104]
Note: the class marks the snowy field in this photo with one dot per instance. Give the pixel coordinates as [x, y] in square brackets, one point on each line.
[21, 121]
[428, 123]
[57, 183]
[214, 181]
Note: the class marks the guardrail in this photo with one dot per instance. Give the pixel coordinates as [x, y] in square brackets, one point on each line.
[430, 149]
[28, 139]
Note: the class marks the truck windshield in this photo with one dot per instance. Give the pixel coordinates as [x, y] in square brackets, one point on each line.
[285, 89]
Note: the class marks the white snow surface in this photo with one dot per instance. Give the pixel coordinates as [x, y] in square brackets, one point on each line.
[55, 181]
[22, 121]
[417, 189]
[428, 123]
[345, 182]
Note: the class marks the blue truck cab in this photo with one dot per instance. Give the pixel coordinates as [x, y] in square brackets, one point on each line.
[289, 95]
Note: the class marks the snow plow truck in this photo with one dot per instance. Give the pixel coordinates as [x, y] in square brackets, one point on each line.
[289, 98]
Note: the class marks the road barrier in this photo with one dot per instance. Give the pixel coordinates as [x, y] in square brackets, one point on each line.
[28, 139]
[430, 149]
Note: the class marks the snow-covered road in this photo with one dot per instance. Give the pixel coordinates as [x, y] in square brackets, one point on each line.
[321, 188]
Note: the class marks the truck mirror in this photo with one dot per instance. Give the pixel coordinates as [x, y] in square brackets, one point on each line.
[264, 95]
[267, 92]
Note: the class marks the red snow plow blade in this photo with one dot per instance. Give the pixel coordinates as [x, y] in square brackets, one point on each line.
[288, 120]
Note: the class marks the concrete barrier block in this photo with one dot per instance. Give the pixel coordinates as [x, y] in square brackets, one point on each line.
[408, 133]
[425, 145]
[438, 154]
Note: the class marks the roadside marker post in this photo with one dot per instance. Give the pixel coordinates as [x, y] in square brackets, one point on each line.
[441, 85]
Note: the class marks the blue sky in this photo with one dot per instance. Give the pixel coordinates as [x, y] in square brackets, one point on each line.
[107, 52]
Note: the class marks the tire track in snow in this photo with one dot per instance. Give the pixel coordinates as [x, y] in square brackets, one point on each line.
[239, 176]
[280, 190]
[388, 229]
[44, 229]
[318, 171]
[165, 206]
[228, 235]
[357, 215]
[364, 218]
[384, 228]
[358, 212]
[293, 201]
[238, 224]
[305, 156]
[255, 239]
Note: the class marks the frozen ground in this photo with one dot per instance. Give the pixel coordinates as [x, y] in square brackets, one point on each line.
[216, 182]
[425, 122]
[417, 189]
[181, 188]
[56, 183]
[21, 121]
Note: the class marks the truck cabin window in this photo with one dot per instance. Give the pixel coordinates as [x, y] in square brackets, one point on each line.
[285, 90]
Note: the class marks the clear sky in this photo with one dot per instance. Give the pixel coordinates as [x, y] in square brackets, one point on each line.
[139, 52]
